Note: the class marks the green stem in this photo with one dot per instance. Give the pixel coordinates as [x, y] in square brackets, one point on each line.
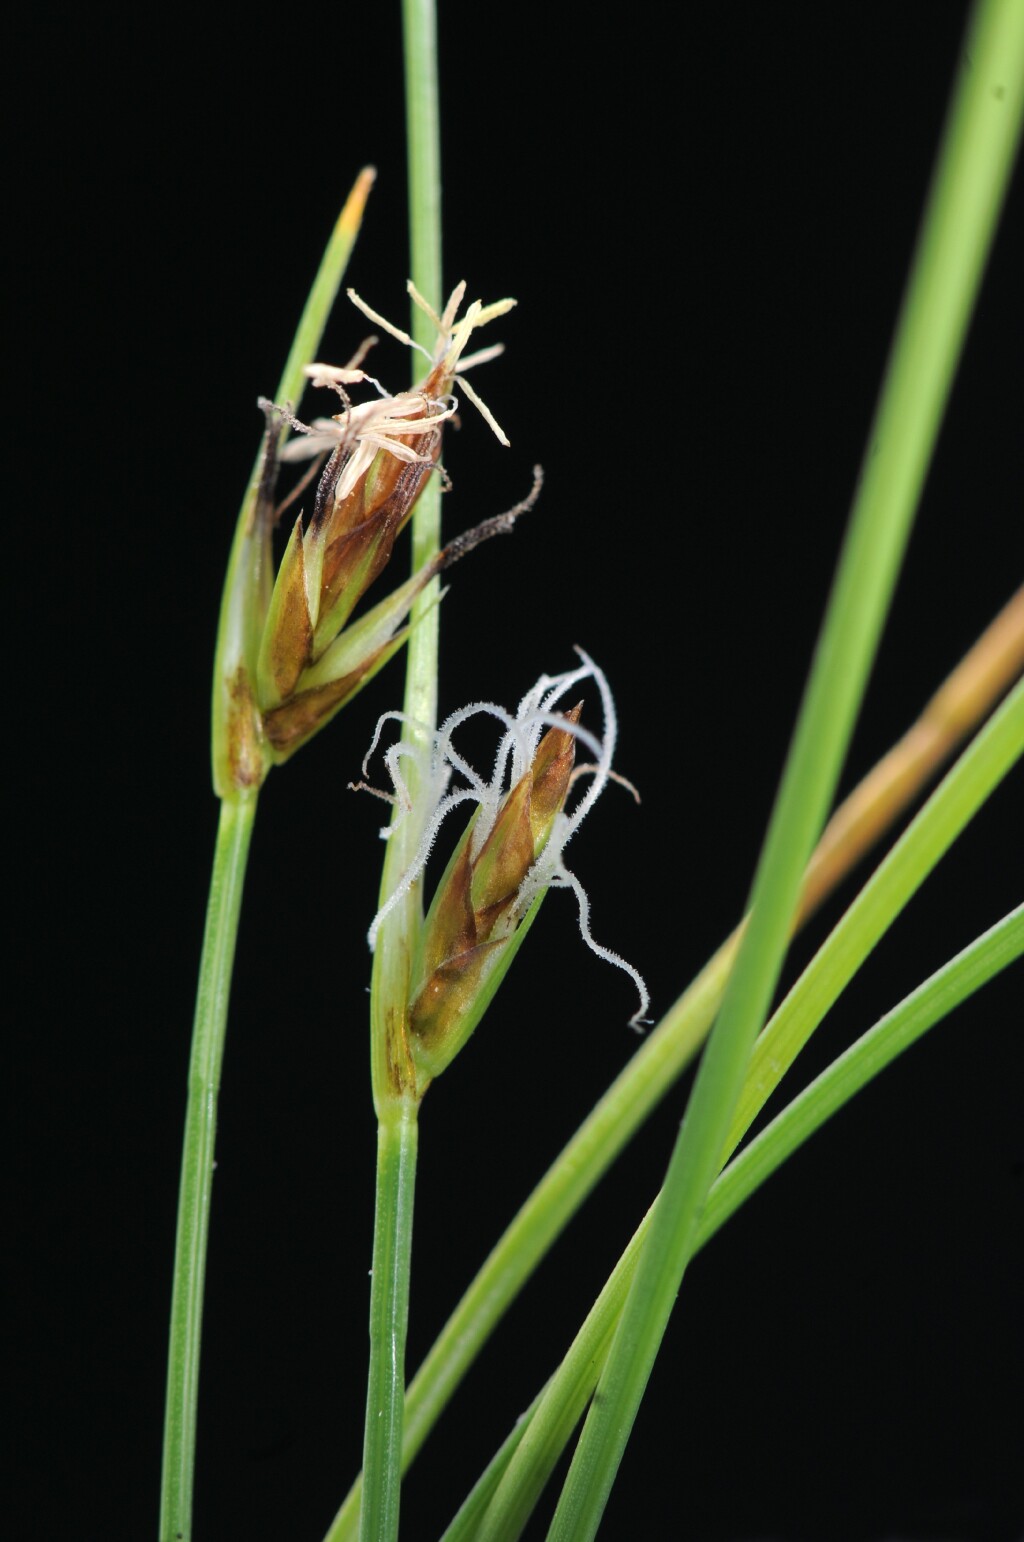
[389, 1312]
[545, 1214]
[543, 1432]
[423, 141]
[226, 882]
[239, 767]
[392, 1075]
[396, 940]
[967, 193]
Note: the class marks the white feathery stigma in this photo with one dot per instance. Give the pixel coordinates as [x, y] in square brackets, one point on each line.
[444, 779]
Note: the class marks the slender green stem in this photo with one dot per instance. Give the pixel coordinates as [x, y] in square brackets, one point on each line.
[544, 1215]
[239, 767]
[541, 1435]
[396, 940]
[392, 1075]
[389, 1312]
[967, 193]
[227, 879]
[423, 140]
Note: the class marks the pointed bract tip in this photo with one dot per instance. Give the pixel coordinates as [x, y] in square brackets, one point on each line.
[351, 215]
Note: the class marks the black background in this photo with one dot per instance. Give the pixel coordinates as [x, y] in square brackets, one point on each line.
[707, 222]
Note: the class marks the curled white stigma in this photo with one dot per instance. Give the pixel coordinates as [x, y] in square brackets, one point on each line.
[445, 779]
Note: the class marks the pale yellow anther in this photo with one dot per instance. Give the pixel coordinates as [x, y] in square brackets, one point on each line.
[376, 425]
[484, 411]
[451, 310]
[389, 327]
[333, 374]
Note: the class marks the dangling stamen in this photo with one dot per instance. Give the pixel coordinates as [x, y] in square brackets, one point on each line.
[361, 352]
[484, 411]
[481, 356]
[389, 327]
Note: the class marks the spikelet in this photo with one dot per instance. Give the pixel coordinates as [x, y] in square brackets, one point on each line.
[310, 659]
[508, 856]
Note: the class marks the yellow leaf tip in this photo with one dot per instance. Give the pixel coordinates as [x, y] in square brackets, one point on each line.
[351, 215]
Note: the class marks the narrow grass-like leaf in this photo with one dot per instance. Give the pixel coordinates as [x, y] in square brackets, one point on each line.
[561, 1405]
[966, 786]
[465, 1523]
[943, 991]
[973, 168]
[955, 801]
[249, 574]
[227, 880]
[554, 1414]
[235, 658]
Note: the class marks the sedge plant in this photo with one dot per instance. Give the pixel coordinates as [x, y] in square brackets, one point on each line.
[294, 646]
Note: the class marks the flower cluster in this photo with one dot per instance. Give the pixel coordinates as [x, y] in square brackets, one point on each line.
[308, 656]
[510, 854]
[380, 454]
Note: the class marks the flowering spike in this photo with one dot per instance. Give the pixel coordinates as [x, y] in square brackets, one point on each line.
[311, 657]
[507, 857]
